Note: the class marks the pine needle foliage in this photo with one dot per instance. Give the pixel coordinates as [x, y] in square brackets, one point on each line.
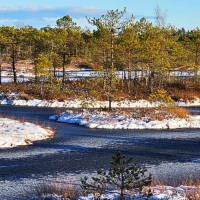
[123, 174]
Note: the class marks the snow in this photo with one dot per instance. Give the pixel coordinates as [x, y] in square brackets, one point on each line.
[7, 76]
[157, 192]
[103, 120]
[106, 120]
[14, 133]
[13, 100]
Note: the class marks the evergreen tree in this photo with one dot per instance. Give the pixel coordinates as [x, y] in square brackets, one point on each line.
[110, 22]
[122, 174]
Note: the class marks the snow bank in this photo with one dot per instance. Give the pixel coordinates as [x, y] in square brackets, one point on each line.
[14, 133]
[89, 104]
[105, 120]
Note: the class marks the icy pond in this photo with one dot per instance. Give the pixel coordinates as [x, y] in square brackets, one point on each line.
[75, 151]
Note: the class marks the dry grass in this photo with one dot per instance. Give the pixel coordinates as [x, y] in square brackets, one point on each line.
[185, 95]
[181, 112]
[28, 141]
[153, 113]
[194, 195]
[14, 117]
[68, 190]
[191, 182]
[45, 126]
[88, 88]
[156, 113]
[29, 91]
[171, 112]
[63, 190]
[178, 112]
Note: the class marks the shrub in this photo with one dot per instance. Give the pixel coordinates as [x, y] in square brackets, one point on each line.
[161, 97]
[178, 112]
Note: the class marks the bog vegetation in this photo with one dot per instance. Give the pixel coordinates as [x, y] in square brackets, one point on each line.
[151, 56]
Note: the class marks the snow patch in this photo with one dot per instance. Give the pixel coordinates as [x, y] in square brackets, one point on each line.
[14, 133]
[105, 120]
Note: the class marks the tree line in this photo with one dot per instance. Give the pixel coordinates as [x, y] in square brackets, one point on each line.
[150, 51]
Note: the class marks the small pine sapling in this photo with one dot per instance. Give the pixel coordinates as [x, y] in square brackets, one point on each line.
[123, 174]
[162, 98]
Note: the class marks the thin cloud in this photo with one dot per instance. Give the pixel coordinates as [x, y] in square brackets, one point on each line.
[23, 8]
[85, 10]
[2, 21]
[81, 10]
[73, 10]
[50, 19]
[43, 15]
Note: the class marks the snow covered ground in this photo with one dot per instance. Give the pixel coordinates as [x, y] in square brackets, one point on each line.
[13, 100]
[7, 77]
[105, 120]
[108, 121]
[158, 192]
[14, 133]
[101, 120]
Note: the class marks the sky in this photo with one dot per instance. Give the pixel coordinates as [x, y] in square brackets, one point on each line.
[40, 13]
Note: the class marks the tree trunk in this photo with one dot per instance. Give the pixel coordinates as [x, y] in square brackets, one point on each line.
[112, 66]
[104, 56]
[135, 78]
[147, 76]
[0, 73]
[129, 71]
[122, 187]
[122, 80]
[151, 79]
[196, 62]
[63, 75]
[110, 102]
[124, 74]
[54, 70]
[76, 52]
[1, 61]
[112, 47]
[36, 74]
[13, 63]
[169, 76]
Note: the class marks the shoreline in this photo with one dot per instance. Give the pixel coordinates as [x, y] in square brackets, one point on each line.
[89, 104]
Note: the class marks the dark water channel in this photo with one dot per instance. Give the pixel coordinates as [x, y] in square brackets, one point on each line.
[170, 155]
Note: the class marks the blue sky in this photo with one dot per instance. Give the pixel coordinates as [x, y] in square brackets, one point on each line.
[39, 13]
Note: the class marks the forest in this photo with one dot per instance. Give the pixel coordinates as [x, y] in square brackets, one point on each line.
[151, 56]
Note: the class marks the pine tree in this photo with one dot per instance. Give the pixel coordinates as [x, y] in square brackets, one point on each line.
[123, 174]
[112, 23]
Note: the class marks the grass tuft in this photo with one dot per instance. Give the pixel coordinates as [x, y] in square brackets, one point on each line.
[62, 190]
